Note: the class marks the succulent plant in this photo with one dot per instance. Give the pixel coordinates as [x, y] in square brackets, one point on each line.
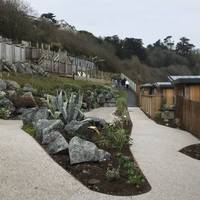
[67, 106]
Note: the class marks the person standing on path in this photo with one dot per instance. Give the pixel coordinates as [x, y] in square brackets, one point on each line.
[127, 84]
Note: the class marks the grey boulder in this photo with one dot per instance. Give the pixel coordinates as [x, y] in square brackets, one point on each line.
[58, 144]
[32, 115]
[49, 138]
[44, 127]
[101, 99]
[11, 93]
[12, 85]
[3, 85]
[6, 103]
[95, 121]
[2, 94]
[76, 127]
[27, 88]
[84, 151]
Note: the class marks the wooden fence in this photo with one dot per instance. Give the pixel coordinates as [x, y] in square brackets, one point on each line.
[52, 62]
[188, 112]
[150, 104]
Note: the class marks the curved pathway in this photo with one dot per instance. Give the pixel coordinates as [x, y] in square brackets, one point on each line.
[27, 172]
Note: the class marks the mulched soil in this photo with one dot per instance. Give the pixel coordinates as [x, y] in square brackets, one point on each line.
[170, 123]
[84, 172]
[193, 151]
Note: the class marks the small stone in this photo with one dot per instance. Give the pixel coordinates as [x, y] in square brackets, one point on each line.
[93, 181]
[28, 88]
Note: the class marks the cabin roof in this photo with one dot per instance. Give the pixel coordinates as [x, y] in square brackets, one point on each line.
[184, 79]
[146, 85]
[163, 85]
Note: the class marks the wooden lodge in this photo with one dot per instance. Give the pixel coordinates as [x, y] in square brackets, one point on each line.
[187, 92]
[154, 96]
[187, 87]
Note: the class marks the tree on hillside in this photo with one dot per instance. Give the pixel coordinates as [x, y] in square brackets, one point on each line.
[14, 20]
[169, 43]
[133, 46]
[49, 16]
[159, 44]
[184, 47]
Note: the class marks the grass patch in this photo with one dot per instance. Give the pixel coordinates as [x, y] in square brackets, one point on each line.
[29, 128]
[122, 105]
[52, 83]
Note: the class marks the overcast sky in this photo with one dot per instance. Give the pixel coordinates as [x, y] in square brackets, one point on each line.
[146, 19]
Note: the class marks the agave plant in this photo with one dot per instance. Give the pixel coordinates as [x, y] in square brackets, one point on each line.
[67, 107]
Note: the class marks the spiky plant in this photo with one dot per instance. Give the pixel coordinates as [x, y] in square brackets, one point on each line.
[69, 107]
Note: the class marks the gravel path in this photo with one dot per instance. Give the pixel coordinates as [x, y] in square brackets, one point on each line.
[27, 172]
[107, 113]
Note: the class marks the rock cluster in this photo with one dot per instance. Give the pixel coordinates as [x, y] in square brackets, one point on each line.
[72, 136]
[25, 68]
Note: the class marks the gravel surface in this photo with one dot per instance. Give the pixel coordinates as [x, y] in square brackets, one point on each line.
[27, 172]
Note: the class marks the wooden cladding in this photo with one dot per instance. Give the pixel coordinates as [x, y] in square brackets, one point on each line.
[150, 104]
[188, 112]
[168, 95]
[189, 92]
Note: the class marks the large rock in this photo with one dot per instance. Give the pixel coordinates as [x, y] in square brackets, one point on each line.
[101, 99]
[95, 121]
[2, 94]
[45, 127]
[49, 138]
[28, 69]
[3, 85]
[84, 151]
[32, 115]
[12, 85]
[78, 127]
[13, 68]
[11, 93]
[20, 67]
[108, 96]
[28, 99]
[6, 103]
[27, 88]
[58, 145]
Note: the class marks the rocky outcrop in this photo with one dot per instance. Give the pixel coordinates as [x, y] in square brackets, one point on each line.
[6, 103]
[84, 151]
[25, 68]
[27, 88]
[78, 127]
[100, 123]
[2, 94]
[32, 115]
[12, 85]
[58, 144]
[44, 127]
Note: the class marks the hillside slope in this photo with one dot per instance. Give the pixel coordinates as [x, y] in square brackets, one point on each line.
[144, 64]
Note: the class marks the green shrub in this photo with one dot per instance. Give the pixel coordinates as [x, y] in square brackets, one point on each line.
[112, 174]
[134, 175]
[29, 128]
[157, 117]
[4, 113]
[117, 136]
